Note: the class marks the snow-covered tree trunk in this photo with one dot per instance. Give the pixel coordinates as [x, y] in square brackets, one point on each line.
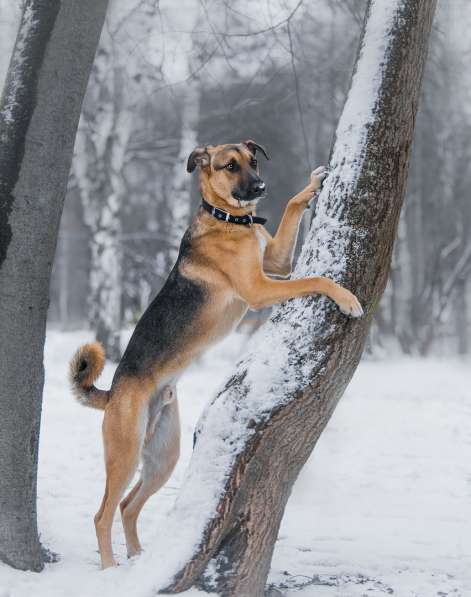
[258, 432]
[39, 113]
[179, 198]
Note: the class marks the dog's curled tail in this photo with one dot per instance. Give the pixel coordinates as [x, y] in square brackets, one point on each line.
[85, 368]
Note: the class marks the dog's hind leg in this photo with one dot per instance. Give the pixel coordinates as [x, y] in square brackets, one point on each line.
[130, 496]
[159, 456]
[123, 434]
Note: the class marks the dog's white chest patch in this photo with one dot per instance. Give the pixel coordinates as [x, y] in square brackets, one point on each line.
[262, 241]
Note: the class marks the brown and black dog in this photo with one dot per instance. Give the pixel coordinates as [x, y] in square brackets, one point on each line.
[222, 269]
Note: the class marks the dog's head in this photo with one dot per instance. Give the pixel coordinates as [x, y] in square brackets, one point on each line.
[229, 172]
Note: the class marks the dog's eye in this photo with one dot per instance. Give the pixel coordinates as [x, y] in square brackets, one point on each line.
[231, 166]
[254, 164]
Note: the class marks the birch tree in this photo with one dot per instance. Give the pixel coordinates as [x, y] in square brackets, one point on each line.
[179, 199]
[118, 83]
[255, 436]
[39, 113]
[432, 260]
[100, 152]
[190, 54]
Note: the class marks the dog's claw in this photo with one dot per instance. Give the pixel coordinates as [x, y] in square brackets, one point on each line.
[354, 310]
[349, 304]
[319, 174]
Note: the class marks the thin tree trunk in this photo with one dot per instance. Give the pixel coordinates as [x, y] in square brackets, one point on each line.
[406, 290]
[100, 153]
[461, 317]
[256, 435]
[179, 199]
[64, 266]
[38, 119]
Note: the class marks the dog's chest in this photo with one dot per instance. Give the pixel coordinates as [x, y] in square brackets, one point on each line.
[262, 241]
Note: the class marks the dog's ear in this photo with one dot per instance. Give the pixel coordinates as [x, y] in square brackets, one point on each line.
[254, 146]
[198, 157]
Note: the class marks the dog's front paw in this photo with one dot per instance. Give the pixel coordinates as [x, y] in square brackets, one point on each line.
[317, 177]
[348, 303]
[306, 196]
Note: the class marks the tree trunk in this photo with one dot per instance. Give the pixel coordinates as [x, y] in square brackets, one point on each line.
[461, 317]
[258, 432]
[179, 198]
[10, 18]
[406, 289]
[99, 160]
[64, 266]
[38, 119]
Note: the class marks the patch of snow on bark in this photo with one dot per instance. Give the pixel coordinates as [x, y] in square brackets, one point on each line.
[359, 109]
[328, 238]
[14, 77]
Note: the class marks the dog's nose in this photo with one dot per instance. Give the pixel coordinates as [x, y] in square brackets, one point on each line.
[258, 188]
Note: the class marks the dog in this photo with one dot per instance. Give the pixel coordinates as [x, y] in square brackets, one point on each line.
[224, 267]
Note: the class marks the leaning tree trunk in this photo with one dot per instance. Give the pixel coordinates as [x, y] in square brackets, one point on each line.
[39, 113]
[258, 432]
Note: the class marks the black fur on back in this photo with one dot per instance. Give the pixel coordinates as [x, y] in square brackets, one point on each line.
[163, 328]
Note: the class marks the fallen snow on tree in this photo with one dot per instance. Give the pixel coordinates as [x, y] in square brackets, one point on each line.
[27, 25]
[360, 107]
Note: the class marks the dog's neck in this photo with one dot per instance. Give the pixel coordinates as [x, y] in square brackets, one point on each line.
[211, 197]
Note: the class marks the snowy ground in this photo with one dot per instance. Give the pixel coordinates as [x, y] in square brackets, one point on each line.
[383, 507]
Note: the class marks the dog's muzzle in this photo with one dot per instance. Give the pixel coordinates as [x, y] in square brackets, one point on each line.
[256, 192]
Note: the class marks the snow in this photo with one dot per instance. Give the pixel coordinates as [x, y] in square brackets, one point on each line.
[27, 24]
[10, 14]
[383, 504]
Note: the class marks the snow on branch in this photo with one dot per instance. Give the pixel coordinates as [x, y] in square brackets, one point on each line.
[14, 83]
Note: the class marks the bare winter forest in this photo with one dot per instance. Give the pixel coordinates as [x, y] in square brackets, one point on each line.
[169, 76]
[258, 481]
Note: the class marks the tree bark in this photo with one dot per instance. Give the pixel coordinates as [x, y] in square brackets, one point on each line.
[99, 160]
[39, 114]
[461, 317]
[256, 435]
[179, 199]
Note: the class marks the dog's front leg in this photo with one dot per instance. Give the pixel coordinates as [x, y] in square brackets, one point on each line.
[278, 257]
[260, 291]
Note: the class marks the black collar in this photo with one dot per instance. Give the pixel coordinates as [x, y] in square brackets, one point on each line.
[225, 216]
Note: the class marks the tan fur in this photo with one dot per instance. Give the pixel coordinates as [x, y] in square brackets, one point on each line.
[230, 262]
